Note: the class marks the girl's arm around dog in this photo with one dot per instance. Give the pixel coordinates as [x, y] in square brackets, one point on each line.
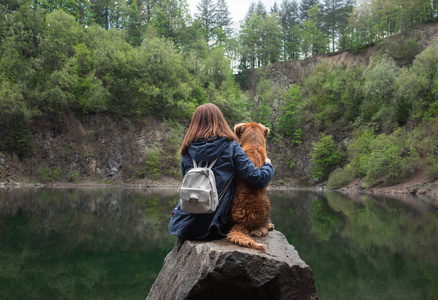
[257, 177]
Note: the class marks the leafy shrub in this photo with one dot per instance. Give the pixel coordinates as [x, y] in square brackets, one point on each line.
[359, 150]
[71, 176]
[332, 95]
[288, 118]
[19, 139]
[341, 177]
[379, 90]
[405, 50]
[325, 157]
[384, 157]
[432, 167]
[48, 174]
[153, 165]
[419, 84]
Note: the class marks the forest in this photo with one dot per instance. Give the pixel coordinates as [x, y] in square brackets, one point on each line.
[136, 59]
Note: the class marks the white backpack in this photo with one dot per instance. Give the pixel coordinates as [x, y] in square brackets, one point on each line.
[198, 193]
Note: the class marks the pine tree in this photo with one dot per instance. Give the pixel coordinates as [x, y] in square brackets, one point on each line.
[289, 18]
[261, 9]
[147, 9]
[170, 18]
[223, 22]
[250, 11]
[335, 14]
[274, 8]
[206, 12]
[134, 24]
[270, 39]
[250, 41]
[305, 6]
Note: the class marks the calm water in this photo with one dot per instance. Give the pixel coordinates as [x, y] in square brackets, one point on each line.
[110, 243]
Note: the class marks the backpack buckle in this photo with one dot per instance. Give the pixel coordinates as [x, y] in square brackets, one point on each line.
[193, 199]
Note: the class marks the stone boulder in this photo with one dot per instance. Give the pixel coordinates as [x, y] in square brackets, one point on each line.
[220, 270]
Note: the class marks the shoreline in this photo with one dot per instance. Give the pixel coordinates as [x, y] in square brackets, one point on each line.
[425, 192]
[422, 187]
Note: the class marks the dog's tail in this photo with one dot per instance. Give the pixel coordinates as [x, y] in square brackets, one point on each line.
[239, 237]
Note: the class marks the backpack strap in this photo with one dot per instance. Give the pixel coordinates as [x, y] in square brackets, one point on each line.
[195, 164]
[225, 188]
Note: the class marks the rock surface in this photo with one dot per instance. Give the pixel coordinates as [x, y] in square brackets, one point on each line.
[220, 270]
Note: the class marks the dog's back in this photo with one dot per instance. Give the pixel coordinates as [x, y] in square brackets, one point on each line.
[250, 213]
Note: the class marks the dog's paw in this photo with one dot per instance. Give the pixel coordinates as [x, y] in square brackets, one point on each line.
[259, 232]
[260, 247]
[271, 227]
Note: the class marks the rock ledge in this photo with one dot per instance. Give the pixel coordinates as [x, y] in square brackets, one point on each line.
[220, 270]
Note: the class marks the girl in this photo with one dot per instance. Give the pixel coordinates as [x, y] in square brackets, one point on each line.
[209, 137]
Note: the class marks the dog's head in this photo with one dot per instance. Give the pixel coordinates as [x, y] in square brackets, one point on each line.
[254, 133]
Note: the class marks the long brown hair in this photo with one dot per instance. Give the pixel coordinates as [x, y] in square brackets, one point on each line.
[207, 122]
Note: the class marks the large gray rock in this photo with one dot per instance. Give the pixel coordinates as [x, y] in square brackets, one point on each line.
[220, 270]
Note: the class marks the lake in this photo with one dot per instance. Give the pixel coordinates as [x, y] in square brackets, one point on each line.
[80, 243]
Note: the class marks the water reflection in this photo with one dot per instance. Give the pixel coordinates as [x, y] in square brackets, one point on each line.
[82, 243]
[110, 243]
[361, 246]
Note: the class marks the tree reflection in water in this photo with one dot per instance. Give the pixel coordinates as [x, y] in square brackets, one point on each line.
[110, 243]
[82, 243]
[361, 246]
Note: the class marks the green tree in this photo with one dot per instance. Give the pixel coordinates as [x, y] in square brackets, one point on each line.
[250, 41]
[260, 9]
[325, 157]
[418, 86]
[270, 39]
[170, 19]
[134, 24]
[289, 17]
[206, 13]
[223, 29]
[305, 6]
[262, 112]
[335, 14]
[314, 40]
[379, 91]
[288, 119]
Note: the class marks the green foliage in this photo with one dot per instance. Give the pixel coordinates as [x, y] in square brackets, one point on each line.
[379, 90]
[170, 159]
[359, 150]
[19, 140]
[12, 102]
[49, 174]
[325, 157]
[92, 96]
[153, 165]
[432, 167]
[297, 137]
[287, 121]
[262, 112]
[332, 96]
[341, 177]
[314, 40]
[324, 223]
[270, 33]
[382, 158]
[405, 50]
[418, 85]
[72, 176]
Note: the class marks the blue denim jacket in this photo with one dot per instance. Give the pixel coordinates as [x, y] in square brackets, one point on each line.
[232, 160]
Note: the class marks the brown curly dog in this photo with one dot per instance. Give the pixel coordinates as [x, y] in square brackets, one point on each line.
[250, 211]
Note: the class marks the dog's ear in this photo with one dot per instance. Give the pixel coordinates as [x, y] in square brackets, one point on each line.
[239, 129]
[265, 130]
